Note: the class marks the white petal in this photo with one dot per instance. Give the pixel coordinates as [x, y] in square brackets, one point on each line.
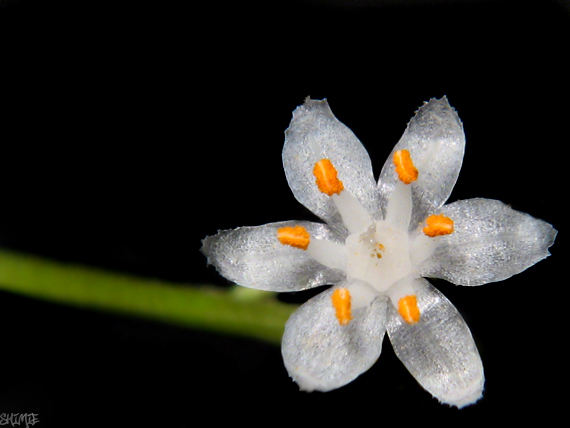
[436, 142]
[439, 350]
[491, 242]
[253, 257]
[315, 134]
[320, 354]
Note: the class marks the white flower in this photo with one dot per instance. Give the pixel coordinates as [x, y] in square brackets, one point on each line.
[378, 242]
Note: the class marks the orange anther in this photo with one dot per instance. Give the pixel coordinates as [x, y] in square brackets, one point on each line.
[295, 236]
[438, 225]
[408, 309]
[406, 170]
[326, 175]
[341, 301]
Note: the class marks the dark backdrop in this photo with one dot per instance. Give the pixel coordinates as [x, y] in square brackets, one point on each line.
[132, 129]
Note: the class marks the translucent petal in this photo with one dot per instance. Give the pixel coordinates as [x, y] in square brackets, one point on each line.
[253, 257]
[315, 134]
[436, 142]
[320, 354]
[439, 350]
[491, 242]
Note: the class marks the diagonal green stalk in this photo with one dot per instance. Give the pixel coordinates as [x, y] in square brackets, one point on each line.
[237, 311]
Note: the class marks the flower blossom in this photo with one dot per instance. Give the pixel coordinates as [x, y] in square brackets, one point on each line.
[375, 246]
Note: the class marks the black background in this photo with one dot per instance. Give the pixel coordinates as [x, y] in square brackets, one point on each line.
[132, 129]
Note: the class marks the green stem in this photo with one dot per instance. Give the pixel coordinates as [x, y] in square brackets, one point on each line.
[238, 311]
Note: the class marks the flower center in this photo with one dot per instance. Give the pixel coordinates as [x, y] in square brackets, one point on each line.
[380, 256]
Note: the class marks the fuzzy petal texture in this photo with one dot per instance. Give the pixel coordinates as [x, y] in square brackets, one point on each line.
[436, 142]
[439, 350]
[315, 134]
[253, 257]
[320, 354]
[491, 242]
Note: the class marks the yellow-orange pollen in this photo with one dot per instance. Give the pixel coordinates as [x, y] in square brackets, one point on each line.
[326, 175]
[376, 252]
[408, 309]
[405, 168]
[341, 301]
[295, 236]
[438, 225]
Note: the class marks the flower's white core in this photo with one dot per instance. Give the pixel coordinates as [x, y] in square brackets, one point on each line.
[380, 253]
[379, 256]
[383, 253]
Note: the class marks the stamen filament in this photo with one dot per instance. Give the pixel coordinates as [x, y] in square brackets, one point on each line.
[354, 215]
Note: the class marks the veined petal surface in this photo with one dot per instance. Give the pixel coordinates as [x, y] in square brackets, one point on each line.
[439, 351]
[320, 354]
[491, 242]
[254, 257]
[315, 134]
[436, 142]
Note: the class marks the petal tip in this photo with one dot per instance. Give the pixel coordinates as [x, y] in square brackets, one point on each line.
[441, 105]
[443, 100]
[310, 102]
[311, 106]
[467, 396]
[438, 111]
[305, 381]
[206, 246]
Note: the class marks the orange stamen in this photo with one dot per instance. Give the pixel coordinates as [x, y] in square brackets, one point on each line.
[295, 236]
[408, 309]
[406, 170]
[341, 301]
[326, 175]
[438, 225]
